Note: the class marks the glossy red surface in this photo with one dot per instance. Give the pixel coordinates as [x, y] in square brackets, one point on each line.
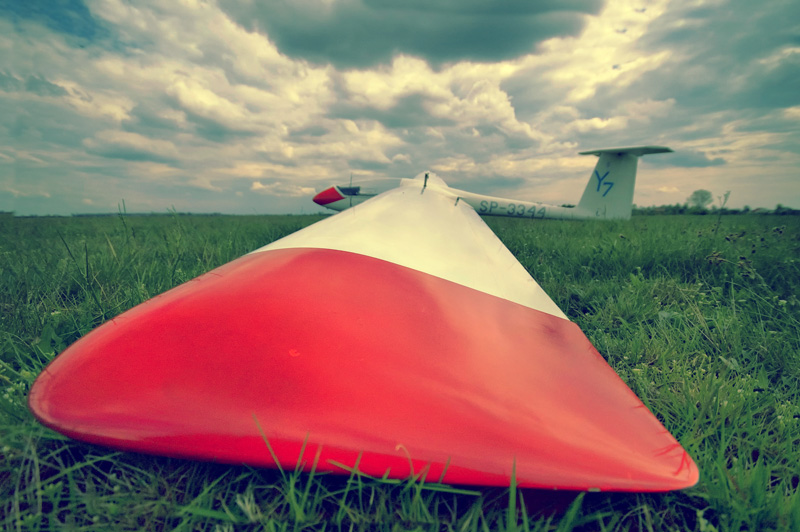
[329, 195]
[360, 357]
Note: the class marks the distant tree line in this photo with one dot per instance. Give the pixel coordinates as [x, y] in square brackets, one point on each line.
[168, 213]
[685, 208]
[700, 202]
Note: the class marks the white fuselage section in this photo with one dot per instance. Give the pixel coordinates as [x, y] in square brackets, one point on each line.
[482, 204]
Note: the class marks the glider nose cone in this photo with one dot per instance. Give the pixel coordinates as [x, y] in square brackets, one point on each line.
[424, 374]
[327, 196]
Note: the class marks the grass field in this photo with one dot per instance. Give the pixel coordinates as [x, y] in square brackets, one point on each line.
[700, 316]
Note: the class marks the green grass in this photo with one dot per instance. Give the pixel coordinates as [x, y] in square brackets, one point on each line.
[701, 323]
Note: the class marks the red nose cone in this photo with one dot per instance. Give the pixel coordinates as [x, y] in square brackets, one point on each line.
[329, 195]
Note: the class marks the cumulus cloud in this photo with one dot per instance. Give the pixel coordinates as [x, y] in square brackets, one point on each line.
[26, 193]
[725, 54]
[234, 106]
[33, 84]
[690, 159]
[281, 189]
[363, 33]
[131, 146]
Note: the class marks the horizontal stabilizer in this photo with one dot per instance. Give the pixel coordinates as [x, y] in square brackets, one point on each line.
[637, 151]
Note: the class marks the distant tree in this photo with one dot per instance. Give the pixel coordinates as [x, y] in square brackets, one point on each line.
[675, 209]
[780, 209]
[700, 199]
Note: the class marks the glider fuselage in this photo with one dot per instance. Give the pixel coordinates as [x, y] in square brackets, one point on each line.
[607, 195]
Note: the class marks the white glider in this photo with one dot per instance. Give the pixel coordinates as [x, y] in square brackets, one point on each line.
[608, 194]
[399, 338]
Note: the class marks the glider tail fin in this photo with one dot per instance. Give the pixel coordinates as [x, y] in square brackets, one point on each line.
[609, 193]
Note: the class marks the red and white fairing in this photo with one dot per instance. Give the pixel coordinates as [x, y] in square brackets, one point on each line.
[399, 337]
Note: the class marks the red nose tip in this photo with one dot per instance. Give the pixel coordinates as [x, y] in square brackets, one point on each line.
[329, 195]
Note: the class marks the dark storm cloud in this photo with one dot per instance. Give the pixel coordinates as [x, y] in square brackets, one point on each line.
[65, 16]
[9, 83]
[778, 86]
[215, 131]
[128, 146]
[359, 33]
[685, 159]
[42, 87]
[490, 185]
[529, 94]
[725, 55]
[409, 111]
[777, 123]
[361, 164]
[211, 129]
[144, 118]
[732, 31]
[128, 153]
[33, 84]
[515, 142]
[311, 131]
[42, 123]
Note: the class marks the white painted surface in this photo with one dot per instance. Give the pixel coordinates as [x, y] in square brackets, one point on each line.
[429, 231]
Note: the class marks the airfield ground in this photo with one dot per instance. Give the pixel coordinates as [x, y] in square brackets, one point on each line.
[699, 315]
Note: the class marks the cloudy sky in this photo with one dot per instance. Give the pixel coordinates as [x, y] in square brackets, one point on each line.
[249, 106]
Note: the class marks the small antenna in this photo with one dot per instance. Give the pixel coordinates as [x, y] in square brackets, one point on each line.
[425, 183]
